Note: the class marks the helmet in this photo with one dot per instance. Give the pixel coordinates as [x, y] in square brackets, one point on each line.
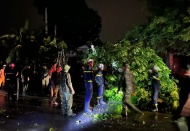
[155, 68]
[90, 60]
[150, 71]
[12, 65]
[101, 66]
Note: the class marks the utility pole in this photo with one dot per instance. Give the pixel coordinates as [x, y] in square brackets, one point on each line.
[46, 20]
[55, 30]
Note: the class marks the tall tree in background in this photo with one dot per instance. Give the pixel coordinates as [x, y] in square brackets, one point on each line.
[167, 30]
[30, 47]
[158, 7]
[75, 23]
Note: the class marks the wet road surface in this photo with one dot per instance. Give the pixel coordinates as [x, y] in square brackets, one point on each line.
[33, 113]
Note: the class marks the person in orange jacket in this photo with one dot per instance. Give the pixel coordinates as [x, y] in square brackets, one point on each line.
[2, 76]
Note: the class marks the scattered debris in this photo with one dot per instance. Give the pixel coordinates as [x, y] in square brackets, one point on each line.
[78, 122]
[52, 129]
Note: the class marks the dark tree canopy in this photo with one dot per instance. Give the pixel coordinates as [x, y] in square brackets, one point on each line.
[76, 23]
[158, 7]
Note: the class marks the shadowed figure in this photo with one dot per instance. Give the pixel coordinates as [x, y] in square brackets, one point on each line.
[184, 85]
[128, 88]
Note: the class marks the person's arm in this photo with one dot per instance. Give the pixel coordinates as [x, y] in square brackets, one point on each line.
[134, 86]
[1, 73]
[132, 82]
[105, 80]
[17, 73]
[69, 83]
[52, 80]
[28, 74]
[156, 77]
[127, 80]
[120, 83]
[22, 76]
[97, 80]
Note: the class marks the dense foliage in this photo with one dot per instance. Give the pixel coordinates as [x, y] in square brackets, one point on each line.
[30, 47]
[140, 59]
[166, 32]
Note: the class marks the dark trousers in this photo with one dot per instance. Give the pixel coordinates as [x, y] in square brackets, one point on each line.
[100, 90]
[89, 91]
[156, 90]
[10, 90]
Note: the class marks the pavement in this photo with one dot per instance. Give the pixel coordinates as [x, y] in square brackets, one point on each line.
[36, 113]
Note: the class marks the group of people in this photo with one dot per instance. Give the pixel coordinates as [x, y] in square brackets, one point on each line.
[8, 79]
[14, 77]
[59, 80]
[126, 82]
[89, 77]
[61, 84]
[128, 88]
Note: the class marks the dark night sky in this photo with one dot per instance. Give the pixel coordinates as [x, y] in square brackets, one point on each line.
[118, 16]
[14, 13]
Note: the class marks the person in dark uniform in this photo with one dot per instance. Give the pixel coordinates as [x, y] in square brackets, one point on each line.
[11, 75]
[128, 87]
[25, 76]
[99, 79]
[155, 87]
[88, 78]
